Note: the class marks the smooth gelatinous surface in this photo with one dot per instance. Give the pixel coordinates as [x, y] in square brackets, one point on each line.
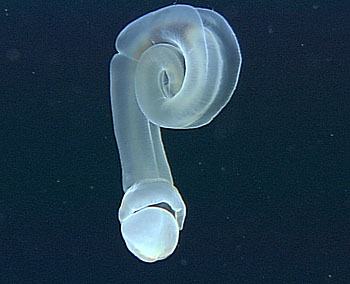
[176, 67]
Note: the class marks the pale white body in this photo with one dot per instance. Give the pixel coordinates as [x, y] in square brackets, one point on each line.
[177, 67]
